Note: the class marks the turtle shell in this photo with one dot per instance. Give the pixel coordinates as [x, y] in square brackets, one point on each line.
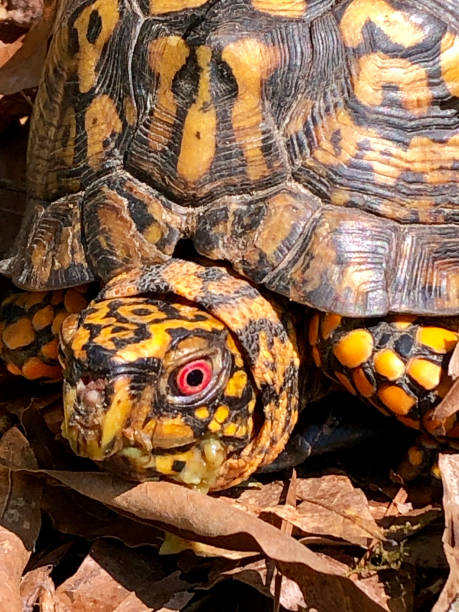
[312, 144]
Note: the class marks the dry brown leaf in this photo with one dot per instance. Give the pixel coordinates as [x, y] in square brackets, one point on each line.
[114, 577]
[331, 507]
[447, 407]
[35, 585]
[20, 517]
[196, 516]
[23, 70]
[449, 469]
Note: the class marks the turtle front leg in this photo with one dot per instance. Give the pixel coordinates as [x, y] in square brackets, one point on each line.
[29, 330]
[399, 364]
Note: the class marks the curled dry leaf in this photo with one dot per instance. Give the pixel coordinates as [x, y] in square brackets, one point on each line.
[23, 70]
[449, 469]
[195, 516]
[330, 506]
[36, 585]
[113, 577]
[20, 516]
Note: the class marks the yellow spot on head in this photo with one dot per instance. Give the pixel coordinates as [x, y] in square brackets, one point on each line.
[230, 429]
[201, 413]
[354, 348]
[214, 426]
[236, 384]
[221, 414]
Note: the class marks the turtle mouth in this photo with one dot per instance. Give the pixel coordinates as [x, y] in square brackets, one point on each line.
[102, 423]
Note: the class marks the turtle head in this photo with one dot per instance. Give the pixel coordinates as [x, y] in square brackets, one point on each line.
[200, 386]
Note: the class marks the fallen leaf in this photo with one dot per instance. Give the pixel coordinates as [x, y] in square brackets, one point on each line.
[331, 507]
[449, 470]
[23, 69]
[20, 516]
[34, 585]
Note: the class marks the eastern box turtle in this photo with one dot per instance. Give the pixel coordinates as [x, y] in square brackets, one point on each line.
[314, 146]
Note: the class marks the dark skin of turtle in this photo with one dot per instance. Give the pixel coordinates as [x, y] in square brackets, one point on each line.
[312, 146]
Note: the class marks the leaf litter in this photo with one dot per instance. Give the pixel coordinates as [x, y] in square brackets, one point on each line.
[72, 538]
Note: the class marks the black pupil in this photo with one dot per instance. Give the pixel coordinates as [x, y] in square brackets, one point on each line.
[195, 378]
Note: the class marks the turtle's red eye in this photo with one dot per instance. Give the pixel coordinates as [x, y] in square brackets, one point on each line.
[194, 377]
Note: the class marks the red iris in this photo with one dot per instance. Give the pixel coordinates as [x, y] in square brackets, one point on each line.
[194, 377]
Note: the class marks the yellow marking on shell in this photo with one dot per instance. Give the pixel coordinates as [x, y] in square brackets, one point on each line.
[423, 155]
[130, 111]
[34, 368]
[43, 317]
[221, 414]
[329, 323]
[363, 385]
[399, 26]
[251, 62]
[166, 56]
[281, 8]
[74, 302]
[168, 432]
[89, 53]
[449, 61]
[376, 70]
[354, 348]
[101, 121]
[236, 384]
[388, 364]
[439, 339]
[396, 399]
[403, 321]
[160, 7]
[197, 149]
[201, 413]
[424, 372]
[313, 331]
[18, 334]
[50, 350]
[121, 405]
[344, 380]
[65, 137]
[316, 356]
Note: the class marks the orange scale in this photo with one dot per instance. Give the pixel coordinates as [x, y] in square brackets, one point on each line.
[43, 317]
[438, 339]
[424, 372]
[388, 364]
[51, 349]
[344, 380]
[34, 369]
[74, 302]
[18, 334]
[330, 322]
[396, 399]
[13, 369]
[354, 348]
[364, 386]
[313, 335]
[57, 323]
[316, 356]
